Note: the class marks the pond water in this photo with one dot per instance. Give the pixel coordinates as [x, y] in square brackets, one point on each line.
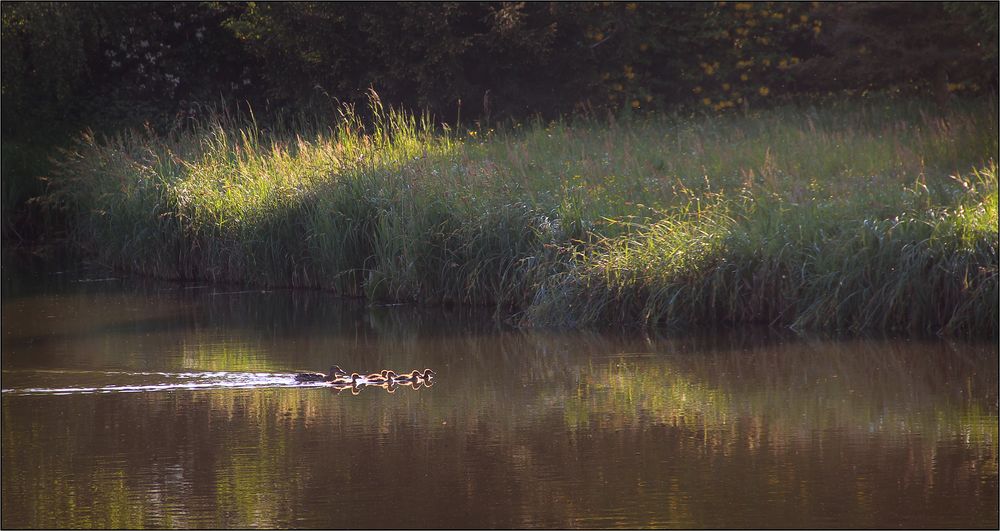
[146, 404]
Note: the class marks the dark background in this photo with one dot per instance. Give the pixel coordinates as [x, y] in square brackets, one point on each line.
[106, 66]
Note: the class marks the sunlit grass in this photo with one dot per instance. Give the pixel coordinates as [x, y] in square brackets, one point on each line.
[853, 216]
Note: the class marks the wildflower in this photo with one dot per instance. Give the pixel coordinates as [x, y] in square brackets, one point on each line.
[649, 99]
[643, 47]
[803, 18]
[764, 91]
[795, 60]
[744, 77]
[725, 86]
[783, 64]
[635, 104]
[618, 87]
[706, 101]
[630, 6]
[598, 36]
[767, 62]
[743, 6]
[472, 133]
[696, 90]
[628, 72]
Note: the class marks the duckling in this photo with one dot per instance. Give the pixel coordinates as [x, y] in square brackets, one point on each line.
[355, 380]
[341, 377]
[411, 377]
[428, 374]
[377, 378]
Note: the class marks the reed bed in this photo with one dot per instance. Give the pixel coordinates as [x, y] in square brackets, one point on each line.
[863, 216]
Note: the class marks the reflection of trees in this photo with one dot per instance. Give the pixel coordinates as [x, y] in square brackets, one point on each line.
[524, 428]
[535, 429]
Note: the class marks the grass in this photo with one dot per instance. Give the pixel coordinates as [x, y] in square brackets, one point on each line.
[879, 215]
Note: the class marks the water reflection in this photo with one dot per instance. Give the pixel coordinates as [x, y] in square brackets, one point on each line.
[523, 429]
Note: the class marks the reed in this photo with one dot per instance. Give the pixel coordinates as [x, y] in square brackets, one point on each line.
[852, 216]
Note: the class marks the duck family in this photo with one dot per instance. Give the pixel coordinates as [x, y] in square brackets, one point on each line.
[339, 378]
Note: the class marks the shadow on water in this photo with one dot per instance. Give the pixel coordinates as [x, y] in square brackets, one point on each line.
[535, 428]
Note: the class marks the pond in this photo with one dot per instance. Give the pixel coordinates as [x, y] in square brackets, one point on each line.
[133, 403]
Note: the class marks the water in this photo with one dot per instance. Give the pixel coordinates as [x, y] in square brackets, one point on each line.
[141, 404]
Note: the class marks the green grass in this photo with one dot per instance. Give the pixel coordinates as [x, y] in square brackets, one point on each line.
[854, 216]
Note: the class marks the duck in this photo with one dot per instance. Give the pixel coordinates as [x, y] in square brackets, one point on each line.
[335, 373]
[428, 374]
[310, 377]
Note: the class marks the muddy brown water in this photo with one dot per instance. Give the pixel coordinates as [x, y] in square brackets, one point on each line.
[143, 404]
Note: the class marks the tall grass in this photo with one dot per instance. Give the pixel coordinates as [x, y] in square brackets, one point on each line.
[852, 216]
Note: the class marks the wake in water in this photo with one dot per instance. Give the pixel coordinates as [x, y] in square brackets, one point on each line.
[165, 381]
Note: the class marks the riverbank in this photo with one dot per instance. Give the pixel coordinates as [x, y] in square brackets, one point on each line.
[877, 216]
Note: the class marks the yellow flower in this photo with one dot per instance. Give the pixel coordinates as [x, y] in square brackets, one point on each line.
[472, 133]
[605, 76]
[725, 86]
[649, 99]
[764, 91]
[618, 87]
[743, 6]
[630, 6]
[598, 36]
[628, 72]
[744, 77]
[706, 101]
[767, 62]
[778, 15]
[696, 90]
[817, 29]
[795, 60]
[803, 18]
[783, 64]
[643, 47]
[635, 104]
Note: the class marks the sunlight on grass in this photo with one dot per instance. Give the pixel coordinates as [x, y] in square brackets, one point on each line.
[837, 217]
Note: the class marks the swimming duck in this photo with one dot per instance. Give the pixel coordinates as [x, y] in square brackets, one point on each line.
[428, 374]
[310, 377]
[335, 373]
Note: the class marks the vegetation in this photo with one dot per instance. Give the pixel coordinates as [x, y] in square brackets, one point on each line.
[880, 215]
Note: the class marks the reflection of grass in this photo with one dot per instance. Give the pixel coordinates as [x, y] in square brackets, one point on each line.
[816, 218]
[863, 388]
